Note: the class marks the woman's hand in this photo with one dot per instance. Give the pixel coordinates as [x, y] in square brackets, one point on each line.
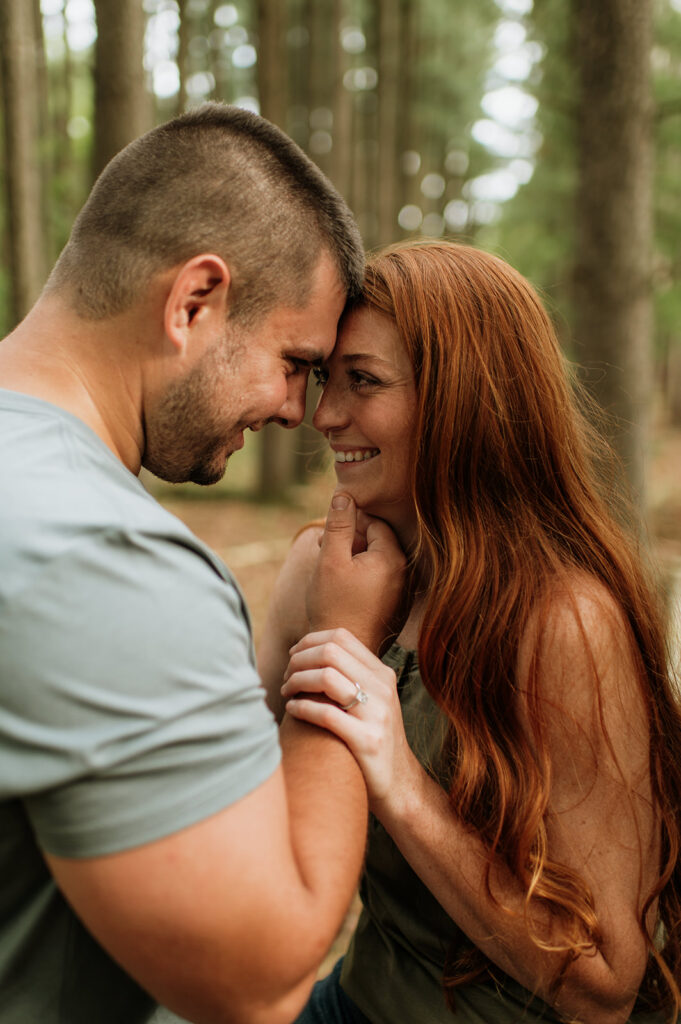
[365, 712]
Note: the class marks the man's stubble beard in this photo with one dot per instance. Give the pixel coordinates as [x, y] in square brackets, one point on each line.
[187, 434]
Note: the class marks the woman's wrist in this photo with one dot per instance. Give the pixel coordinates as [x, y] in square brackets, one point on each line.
[400, 806]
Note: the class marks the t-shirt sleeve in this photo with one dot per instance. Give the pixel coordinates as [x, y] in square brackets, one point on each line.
[132, 707]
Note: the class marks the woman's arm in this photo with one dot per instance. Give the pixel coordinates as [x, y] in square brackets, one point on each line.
[600, 821]
[286, 621]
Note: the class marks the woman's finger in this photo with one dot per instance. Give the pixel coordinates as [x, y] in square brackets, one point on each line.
[327, 655]
[327, 680]
[327, 716]
[342, 638]
[333, 670]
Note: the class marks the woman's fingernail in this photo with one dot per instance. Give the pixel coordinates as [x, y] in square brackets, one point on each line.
[340, 501]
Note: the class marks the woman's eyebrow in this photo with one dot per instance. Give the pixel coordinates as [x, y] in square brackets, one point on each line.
[348, 357]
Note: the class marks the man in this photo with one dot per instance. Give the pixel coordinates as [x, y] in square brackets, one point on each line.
[154, 848]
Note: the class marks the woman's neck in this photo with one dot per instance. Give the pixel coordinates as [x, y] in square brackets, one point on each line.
[410, 632]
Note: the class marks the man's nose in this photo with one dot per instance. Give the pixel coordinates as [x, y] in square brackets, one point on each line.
[292, 412]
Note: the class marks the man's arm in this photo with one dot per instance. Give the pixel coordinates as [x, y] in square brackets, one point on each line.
[228, 919]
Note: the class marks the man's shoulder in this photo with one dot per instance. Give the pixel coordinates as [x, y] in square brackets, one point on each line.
[62, 489]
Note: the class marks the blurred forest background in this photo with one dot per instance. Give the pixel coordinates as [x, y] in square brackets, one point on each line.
[548, 131]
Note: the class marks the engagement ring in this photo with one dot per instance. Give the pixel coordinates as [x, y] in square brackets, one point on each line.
[360, 698]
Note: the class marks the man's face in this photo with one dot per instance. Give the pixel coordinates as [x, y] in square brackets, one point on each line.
[244, 380]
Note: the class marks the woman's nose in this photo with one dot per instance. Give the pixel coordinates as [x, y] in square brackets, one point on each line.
[331, 413]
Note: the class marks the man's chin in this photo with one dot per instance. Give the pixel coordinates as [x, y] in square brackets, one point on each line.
[204, 475]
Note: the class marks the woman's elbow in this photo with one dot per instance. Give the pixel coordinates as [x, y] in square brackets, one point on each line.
[595, 993]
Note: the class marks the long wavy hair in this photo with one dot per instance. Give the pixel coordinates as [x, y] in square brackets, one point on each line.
[508, 489]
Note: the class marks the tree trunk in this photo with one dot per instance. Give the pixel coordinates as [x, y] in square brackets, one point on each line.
[66, 184]
[411, 139]
[365, 145]
[22, 163]
[612, 281]
[272, 61]
[275, 470]
[313, 91]
[342, 164]
[320, 83]
[122, 106]
[45, 140]
[182, 56]
[388, 107]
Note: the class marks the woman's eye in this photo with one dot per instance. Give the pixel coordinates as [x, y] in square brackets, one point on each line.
[359, 381]
[320, 376]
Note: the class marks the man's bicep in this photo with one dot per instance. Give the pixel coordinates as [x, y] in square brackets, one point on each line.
[200, 918]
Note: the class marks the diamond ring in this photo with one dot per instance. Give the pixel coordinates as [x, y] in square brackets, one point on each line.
[360, 698]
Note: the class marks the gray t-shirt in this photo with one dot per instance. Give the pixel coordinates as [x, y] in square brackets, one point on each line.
[130, 706]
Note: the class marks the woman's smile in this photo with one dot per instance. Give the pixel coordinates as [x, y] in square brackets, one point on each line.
[344, 455]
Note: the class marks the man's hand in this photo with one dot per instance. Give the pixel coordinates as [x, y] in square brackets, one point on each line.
[361, 591]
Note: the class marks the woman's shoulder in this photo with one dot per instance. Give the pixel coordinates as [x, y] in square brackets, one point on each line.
[580, 651]
[581, 611]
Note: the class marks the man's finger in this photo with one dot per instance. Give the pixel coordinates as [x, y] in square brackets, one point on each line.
[339, 531]
[380, 538]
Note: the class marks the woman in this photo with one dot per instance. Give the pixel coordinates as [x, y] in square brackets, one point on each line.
[524, 773]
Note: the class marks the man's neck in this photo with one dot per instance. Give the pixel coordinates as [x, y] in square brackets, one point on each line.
[79, 366]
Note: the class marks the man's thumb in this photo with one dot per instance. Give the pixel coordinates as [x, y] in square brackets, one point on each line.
[340, 522]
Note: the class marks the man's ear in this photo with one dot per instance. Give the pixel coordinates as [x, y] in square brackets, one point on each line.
[198, 298]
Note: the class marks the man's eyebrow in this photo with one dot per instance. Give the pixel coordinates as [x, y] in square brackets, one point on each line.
[309, 356]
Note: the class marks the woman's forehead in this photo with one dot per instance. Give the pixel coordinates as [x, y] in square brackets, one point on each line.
[367, 334]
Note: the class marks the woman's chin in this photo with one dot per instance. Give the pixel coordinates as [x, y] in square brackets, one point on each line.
[371, 506]
[361, 500]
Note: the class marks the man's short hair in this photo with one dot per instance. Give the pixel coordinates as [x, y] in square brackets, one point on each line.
[217, 179]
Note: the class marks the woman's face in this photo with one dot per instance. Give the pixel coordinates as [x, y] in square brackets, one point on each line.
[366, 412]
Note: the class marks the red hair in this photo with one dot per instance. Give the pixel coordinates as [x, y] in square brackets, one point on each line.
[509, 503]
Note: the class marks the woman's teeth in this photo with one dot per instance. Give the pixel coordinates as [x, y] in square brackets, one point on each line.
[360, 456]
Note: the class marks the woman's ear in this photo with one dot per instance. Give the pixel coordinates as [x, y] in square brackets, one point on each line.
[197, 300]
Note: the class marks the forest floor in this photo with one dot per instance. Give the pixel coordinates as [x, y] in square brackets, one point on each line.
[253, 540]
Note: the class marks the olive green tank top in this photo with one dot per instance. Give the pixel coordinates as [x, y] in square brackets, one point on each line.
[394, 965]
